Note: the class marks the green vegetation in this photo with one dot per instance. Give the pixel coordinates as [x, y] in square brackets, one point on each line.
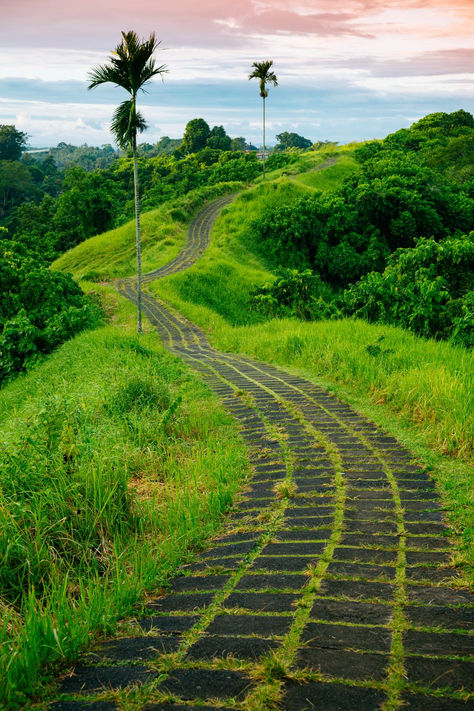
[102, 437]
[39, 309]
[117, 462]
[112, 255]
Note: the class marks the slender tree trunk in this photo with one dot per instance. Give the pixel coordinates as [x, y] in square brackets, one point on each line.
[263, 138]
[139, 244]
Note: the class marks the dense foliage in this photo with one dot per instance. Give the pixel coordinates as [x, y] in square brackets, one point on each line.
[413, 198]
[426, 289]
[53, 210]
[39, 309]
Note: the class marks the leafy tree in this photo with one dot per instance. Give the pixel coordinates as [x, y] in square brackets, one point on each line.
[131, 67]
[12, 142]
[262, 72]
[291, 140]
[219, 139]
[196, 135]
[238, 144]
[16, 185]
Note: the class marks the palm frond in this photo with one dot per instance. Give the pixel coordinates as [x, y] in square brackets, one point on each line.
[126, 123]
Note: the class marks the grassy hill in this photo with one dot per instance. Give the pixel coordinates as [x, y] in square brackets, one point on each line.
[85, 416]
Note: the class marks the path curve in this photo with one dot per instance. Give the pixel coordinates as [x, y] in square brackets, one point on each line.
[331, 586]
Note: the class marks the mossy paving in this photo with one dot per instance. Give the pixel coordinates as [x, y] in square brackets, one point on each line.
[331, 586]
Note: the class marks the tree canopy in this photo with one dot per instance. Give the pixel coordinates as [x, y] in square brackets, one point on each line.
[12, 142]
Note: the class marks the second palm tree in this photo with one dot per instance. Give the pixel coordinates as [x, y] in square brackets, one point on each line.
[262, 72]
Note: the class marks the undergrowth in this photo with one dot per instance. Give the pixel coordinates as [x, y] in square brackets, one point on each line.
[116, 463]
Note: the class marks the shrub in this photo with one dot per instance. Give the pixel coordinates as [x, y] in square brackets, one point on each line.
[425, 289]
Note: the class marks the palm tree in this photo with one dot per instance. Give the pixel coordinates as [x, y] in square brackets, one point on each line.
[130, 68]
[261, 71]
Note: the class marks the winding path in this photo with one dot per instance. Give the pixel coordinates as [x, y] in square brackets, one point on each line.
[331, 587]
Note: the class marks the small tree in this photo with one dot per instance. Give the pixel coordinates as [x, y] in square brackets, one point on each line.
[262, 72]
[130, 68]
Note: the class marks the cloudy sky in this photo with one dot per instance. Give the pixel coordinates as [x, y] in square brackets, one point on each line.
[347, 69]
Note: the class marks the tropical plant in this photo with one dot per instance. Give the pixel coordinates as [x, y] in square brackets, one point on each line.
[262, 72]
[131, 67]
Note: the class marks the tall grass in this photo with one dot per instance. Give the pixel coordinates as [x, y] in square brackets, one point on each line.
[116, 463]
[112, 254]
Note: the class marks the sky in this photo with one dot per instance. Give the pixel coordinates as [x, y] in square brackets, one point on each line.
[347, 69]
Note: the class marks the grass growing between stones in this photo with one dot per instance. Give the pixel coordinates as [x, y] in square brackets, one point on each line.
[116, 463]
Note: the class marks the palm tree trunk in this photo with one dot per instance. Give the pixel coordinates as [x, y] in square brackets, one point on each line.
[263, 138]
[139, 244]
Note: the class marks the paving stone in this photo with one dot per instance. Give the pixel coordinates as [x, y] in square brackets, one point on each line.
[432, 575]
[315, 695]
[445, 617]
[253, 504]
[136, 648]
[206, 565]
[438, 643]
[206, 684]
[262, 602]
[310, 511]
[423, 516]
[421, 702]
[171, 706]
[361, 570]
[239, 647]
[333, 636]
[438, 596]
[197, 583]
[418, 496]
[427, 528]
[427, 557]
[82, 706]
[249, 625]
[439, 673]
[309, 521]
[365, 555]
[373, 541]
[281, 563]
[181, 603]
[171, 624]
[345, 611]
[342, 664]
[307, 483]
[356, 589]
[311, 534]
[228, 550]
[308, 549]
[379, 497]
[240, 536]
[95, 679]
[368, 527]
[276, 581]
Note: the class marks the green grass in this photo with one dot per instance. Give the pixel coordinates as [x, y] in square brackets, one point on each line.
[117, 463]
[331, 177]
[112, 254]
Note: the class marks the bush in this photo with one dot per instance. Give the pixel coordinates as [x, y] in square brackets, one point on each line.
[299, 294]
[425, 289]
[39, 309]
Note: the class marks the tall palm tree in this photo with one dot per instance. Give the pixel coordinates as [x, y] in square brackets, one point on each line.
[262, 72]
[131, 67]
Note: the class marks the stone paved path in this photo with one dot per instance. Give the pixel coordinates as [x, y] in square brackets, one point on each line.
[331, 586]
